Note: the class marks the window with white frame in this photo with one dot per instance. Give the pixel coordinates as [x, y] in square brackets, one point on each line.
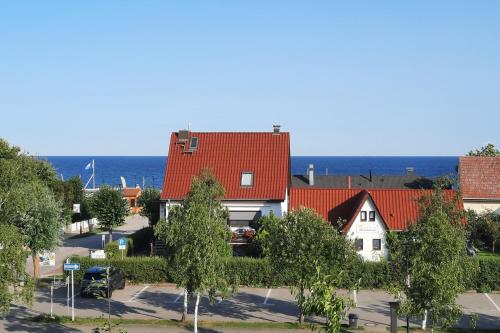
[246, 179]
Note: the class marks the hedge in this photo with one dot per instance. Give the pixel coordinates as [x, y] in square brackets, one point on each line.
[254, 272]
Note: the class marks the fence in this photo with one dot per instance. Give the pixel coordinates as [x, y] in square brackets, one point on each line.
[85, 225]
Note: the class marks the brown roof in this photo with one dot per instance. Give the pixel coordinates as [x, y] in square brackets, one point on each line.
[131, 192]
[480, 177]
[228, 155]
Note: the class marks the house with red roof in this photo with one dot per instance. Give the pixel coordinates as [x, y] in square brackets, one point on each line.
[480, 183]
[364, 215]
[253, 168]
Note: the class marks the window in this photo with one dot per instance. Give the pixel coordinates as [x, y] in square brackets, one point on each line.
[363, 215]
[376, 244]
[247, 179]
[358, 244]
[371, 216]
[193, 144]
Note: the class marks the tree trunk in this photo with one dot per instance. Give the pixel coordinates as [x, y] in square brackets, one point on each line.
[196, 313]
[185, 310]
[36, 265]
[424, 322]
[110, 235]
[301, 305]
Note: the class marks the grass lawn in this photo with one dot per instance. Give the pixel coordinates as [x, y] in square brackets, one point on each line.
[484, 254]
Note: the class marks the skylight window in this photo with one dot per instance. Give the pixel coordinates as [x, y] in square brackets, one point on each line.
[247, 179]
[193, 144]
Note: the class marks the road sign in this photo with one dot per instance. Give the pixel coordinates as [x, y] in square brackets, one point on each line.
[122, 243]
[76, 208]
[72, 267]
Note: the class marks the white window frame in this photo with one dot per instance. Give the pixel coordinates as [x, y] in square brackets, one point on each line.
[247, 173]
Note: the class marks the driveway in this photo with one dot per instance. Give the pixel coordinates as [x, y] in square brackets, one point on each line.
[81, 246]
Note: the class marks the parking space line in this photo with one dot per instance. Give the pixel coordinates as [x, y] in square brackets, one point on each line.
[178, 297]
[137, 294]
[491, 300]
[267, 295]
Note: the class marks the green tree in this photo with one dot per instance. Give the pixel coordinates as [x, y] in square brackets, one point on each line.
[483, 229]
[488, 150]
[324, 301]
[12, 270]
[149, 203]
[197, 236]
[431, 262]
[301, 243]
[110, 209]
[28, 202]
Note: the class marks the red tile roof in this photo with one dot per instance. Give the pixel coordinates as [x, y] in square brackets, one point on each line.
[398, 208]
[131, 192]
[228, 155]
[480, 177]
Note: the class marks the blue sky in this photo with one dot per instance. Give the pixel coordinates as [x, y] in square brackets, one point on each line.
[351, 78]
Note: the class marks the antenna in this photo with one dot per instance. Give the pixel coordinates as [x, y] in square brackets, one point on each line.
[189, 126]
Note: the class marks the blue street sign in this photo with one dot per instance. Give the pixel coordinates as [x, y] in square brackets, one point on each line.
[122, 243]
[72, 267]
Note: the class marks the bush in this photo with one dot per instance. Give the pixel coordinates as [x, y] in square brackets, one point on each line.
[254, 272]
[113, 252]
[136, 269]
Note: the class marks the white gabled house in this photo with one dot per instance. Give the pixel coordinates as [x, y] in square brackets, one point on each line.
[366, 216]
[253, 168]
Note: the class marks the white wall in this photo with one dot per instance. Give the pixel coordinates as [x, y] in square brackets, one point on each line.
[369, 230]
[265, 207]
[481, 206]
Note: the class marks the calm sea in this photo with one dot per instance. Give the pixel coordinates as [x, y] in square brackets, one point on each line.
[149, 170]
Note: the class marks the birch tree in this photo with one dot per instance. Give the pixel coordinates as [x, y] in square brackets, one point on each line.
[301, 243]
[431, 260]
[197, 237]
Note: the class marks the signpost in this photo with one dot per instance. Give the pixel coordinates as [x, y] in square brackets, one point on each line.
[122, 244]
[48, 259]
[72, 267]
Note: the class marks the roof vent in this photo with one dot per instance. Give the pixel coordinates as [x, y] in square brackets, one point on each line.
[410, 171]
[183, 136]
[276, 129]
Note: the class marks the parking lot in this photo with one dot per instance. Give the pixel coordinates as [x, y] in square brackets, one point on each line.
[249, 304]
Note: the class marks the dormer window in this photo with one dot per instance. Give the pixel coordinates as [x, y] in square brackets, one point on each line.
[246, 179]
[193, 143]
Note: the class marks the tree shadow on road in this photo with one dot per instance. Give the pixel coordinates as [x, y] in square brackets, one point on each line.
[18, 321]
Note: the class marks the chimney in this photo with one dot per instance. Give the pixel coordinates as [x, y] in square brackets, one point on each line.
[349, 182]
[409, 171]
[276, 129]
[310, 174]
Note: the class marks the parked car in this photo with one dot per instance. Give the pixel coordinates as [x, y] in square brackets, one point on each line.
[95, 281]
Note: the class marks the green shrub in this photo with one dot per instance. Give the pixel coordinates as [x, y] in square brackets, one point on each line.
[136, 269]
[255, 272]
[113, 252]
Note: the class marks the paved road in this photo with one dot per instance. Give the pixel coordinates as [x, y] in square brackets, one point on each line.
[249, 304]
[80, 246]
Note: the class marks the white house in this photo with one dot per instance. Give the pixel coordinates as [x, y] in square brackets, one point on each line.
[366, 216]
[253, 168]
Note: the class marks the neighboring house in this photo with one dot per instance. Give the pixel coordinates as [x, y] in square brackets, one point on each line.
[131, 194]
[479, 179]
[407, 181]
[364, 216]
[253, 168]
